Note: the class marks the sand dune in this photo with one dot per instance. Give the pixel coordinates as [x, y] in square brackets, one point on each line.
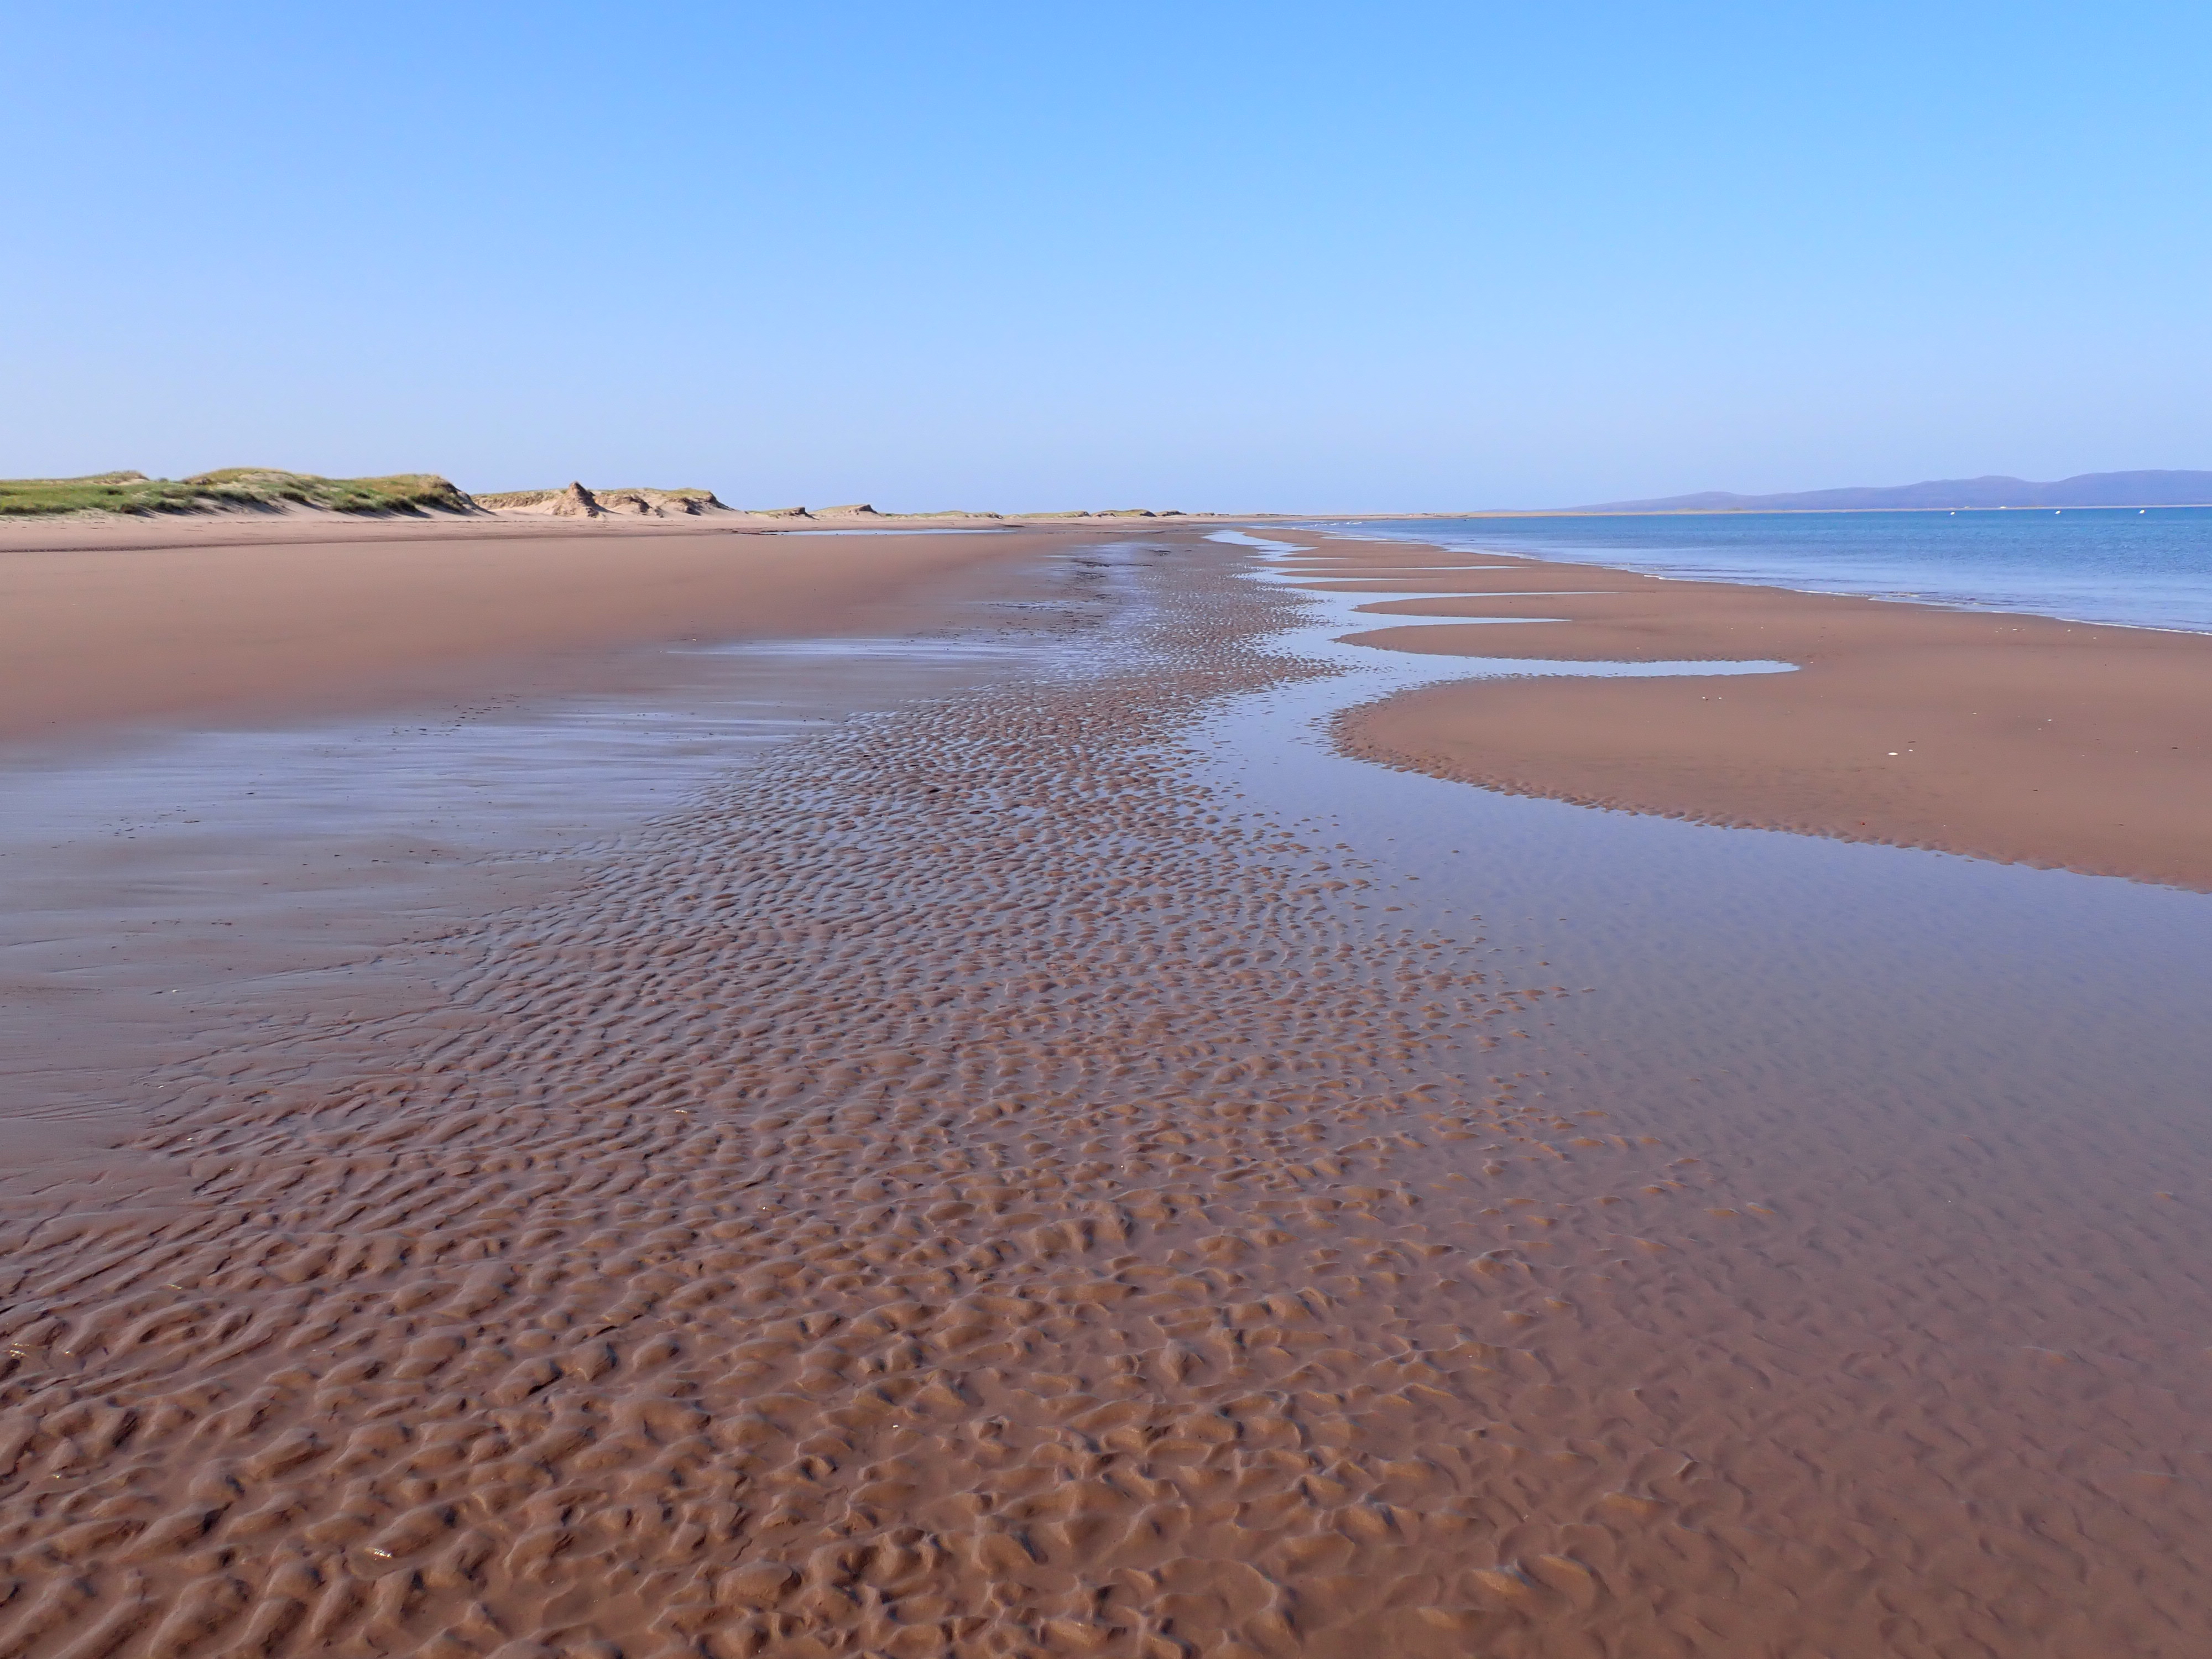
[577, 502]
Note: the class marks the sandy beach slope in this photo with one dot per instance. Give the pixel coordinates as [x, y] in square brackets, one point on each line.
[990, 1179]
[2067, 744]
[128, 621]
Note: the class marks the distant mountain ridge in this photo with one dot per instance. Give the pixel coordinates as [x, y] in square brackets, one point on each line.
[2083, 489]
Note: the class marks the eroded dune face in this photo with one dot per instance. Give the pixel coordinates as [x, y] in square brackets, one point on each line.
[964, 1190]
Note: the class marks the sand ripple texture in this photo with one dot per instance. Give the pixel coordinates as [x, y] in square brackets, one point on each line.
[969, 1189]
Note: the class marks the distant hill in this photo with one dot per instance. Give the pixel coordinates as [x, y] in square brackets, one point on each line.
[2083, 489]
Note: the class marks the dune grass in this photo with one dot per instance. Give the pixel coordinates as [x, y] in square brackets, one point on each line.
[238, 487]
[704, 497]
[498, 498]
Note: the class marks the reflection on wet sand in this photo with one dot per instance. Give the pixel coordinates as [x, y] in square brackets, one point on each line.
[1070, 1163]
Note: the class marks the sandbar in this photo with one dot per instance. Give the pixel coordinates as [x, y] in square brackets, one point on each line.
[2022, 738]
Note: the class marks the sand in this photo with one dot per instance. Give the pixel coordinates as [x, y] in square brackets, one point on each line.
[2017, 738]
[970, 1184]
[113, 624]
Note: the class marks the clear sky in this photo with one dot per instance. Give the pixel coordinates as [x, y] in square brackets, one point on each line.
[1200, 255]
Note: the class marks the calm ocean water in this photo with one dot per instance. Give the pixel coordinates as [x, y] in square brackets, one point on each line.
[2116, 565]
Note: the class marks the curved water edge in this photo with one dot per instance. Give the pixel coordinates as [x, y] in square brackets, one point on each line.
[2149, 568]
[1755, 977]
[1369, 672]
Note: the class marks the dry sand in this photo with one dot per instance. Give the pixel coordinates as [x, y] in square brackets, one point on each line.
[968, 1187]
[2066, 745]
[124, 623]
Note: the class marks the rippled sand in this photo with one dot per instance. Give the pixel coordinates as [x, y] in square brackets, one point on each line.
[972, 1182]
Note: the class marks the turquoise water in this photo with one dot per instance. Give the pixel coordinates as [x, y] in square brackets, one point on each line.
[2150, 569]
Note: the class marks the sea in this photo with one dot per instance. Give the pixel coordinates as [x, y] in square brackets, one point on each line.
[2148, 567]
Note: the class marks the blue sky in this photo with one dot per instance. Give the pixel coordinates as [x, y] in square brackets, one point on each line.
[1207, 255]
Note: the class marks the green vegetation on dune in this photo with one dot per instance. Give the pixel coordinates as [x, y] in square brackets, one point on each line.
[498, 498]
[686, 494]
[238, 487]
[260, 489]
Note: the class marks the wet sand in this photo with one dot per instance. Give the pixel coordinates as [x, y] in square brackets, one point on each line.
[1069, 1163]
[113, 624]
[338, 795]
[2069, 745]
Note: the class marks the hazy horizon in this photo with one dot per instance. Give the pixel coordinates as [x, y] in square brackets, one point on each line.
[1431, 259]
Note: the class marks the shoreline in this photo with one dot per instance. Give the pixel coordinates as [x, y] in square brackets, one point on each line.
[2126, 569]
[1996, 735]
[1300, 520]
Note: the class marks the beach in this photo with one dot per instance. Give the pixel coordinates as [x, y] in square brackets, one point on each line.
[128, 622]
[1033, 1142]
[2001, 735]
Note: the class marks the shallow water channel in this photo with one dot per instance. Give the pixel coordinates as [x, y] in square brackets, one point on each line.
[1972, 1071]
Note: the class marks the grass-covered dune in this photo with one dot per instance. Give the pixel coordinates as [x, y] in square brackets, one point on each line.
[237, 488]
